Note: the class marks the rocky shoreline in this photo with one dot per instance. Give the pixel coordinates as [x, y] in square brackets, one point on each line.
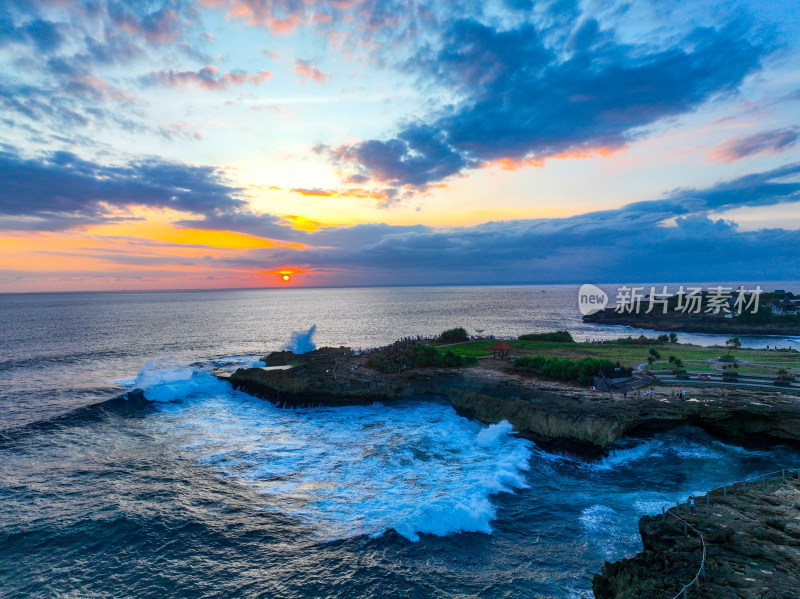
[555, 416]
[752, 536]
[752, 539]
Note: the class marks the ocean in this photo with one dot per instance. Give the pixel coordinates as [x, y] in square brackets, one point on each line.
[208, 492]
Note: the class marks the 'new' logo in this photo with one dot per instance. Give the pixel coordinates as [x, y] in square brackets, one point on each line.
[591, 299]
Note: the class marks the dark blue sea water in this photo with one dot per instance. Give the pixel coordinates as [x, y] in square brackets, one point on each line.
[207, 492]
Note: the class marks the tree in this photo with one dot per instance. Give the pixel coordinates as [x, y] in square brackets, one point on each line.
[654, 353]
[650, 360]
[673, 338]
[672, 359]
[729, 372]
[678, 364]
[782, 373]
[733, 343]
[457, 335]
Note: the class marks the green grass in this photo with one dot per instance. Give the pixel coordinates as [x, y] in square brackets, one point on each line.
[703, 366]
[771, 357]
[416, 355]
[693, 356]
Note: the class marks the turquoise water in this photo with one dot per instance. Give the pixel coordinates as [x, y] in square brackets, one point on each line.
[208, 492]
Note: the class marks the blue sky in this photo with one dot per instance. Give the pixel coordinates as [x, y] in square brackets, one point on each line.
[227, 143]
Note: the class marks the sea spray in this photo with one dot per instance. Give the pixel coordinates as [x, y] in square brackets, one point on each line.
[302, 341]
[166, 380]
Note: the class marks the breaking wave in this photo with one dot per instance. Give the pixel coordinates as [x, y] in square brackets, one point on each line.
[302, 341]
[413, 467]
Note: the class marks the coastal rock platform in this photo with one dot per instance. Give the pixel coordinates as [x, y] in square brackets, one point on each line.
[555, 416]
[752, 537]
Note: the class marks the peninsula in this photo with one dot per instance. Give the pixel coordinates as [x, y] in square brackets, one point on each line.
[548, 387]
[544, 389]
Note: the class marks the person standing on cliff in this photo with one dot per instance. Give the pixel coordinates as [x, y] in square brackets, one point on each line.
[691, 504]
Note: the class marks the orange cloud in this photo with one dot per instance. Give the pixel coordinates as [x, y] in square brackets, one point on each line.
[381, 195]
[512, 164]
[306, 71]
[259, 14]
[136, 255]
[157, 229]
[313, 192]
[301, 223]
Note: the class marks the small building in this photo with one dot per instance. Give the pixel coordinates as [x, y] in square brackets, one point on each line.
[775, 307]
[788, 305]
[501, 350]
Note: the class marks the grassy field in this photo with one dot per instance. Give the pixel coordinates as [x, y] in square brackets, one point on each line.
[695, 357]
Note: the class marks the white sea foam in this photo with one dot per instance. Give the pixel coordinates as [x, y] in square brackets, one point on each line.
[234, 362]
[673, 445]
[415, 467]
[165, 380]
[161, 374]
[607, 528]
[412, 467]
[623, 456]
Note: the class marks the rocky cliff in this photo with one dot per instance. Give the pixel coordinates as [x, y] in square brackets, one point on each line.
[752, 536]
[553, 415]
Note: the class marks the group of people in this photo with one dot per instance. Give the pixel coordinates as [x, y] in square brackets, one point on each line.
[647, 393]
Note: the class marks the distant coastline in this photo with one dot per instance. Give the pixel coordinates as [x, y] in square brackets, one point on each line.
[696, 323]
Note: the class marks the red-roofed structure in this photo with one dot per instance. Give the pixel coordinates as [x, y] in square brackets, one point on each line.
[500, 350]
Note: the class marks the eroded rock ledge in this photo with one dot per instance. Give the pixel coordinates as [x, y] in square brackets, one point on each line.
[752, 549]
[553, 415]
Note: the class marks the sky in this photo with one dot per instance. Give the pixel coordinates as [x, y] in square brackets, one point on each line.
[187, 144]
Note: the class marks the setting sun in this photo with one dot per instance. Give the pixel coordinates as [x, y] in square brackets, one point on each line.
[285, 277]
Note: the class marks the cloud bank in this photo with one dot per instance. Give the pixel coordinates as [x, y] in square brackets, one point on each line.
[61, 191]
[522, 101]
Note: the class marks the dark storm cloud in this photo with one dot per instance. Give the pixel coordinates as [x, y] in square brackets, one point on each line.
[696, 248]
[669, 239]
[244, 221]
[62, 191]
[776, 186]
[275, 227]
[522, 100]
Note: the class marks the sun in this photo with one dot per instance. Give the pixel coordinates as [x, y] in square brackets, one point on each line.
[286, 277]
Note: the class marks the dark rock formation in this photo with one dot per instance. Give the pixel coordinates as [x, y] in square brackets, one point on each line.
[752, 540]
[280, 358]
[555, 416]
[332, 376]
